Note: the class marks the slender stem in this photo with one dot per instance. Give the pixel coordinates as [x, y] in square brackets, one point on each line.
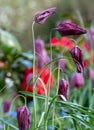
[47, 101]
[43, 85]
[42, 116]
[34, 88]
[15, 99]
[4, 126]
[54, 104]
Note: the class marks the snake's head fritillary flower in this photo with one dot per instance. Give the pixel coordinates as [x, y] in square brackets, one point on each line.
[39, 46]
[23, 118]
[43, 58]
[6, 105]
[77, 56]
[41, 17]
[68, 28]
[77, 80]
[63, 88]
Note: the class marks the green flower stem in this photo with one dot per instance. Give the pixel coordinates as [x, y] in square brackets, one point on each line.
[47, 101]
[55, 102]
[34, 87]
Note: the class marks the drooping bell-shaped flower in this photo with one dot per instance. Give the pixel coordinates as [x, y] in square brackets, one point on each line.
[39, 46]
[41, 17]
[23, 118]
[77, 80]
[42, 58]
[66, 28]
[63, 88]
[6, 105]
[77, 56]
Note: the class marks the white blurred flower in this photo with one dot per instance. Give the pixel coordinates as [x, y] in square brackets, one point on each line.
[9, 82]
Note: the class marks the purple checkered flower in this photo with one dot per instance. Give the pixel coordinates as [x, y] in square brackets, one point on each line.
[39, 46]
[41, 17]
[6, 105]
[23, 118]
[42, 58]
[77, 56]
[77, 80]
[63, 88]
[68, 28]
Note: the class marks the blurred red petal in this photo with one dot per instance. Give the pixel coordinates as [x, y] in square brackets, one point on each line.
[55, 41]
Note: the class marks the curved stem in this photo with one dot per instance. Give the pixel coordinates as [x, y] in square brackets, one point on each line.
[43, 85]
[34, 88]
[16, 98]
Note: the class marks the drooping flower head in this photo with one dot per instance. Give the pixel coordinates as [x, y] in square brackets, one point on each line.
[6, 105]
[63, 88]
[68, 28]
[43, 58]
[77, 56]
[39, 46]
[77, 80]
[41, 53]
[23, 118]
[41, 17]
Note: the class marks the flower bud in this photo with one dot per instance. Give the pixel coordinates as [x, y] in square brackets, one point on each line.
[63, 88]
[41, 17]
[77, 80]
[39, 46]
[77, 56]
[23, 118]
[68, 28]
[6, 105]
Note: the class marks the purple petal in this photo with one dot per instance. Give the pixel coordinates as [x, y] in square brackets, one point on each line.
[23, 118]
[77, 80]
[63, 88]
[68, 28]
[77, 56]
[41, 17]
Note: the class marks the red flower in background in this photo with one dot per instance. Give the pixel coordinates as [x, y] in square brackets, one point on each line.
[45, 77]
[63, 42]
[67, 43]
[89, 59]
[86, 46]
